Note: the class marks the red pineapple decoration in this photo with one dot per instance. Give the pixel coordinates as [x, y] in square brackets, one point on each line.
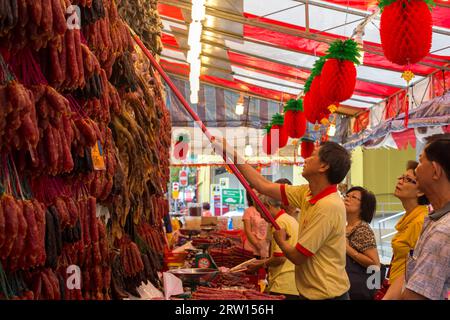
[181, 147]
[294, 119]
[268, 147]
[318, 103]
[338, 76]
[406, 30]
[307, 148]
[278, 130]
[314, 104]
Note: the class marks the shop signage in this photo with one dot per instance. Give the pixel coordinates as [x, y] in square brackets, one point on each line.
[233, 196]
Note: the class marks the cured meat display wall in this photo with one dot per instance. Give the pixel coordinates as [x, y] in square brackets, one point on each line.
[84, 151]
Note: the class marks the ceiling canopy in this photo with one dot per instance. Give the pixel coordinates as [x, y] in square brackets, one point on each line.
[268, 48]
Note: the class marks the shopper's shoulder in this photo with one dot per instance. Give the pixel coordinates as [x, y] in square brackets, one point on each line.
[303, 188]
[331, 202]
[364, 227]
[287, 219]
[443, 225]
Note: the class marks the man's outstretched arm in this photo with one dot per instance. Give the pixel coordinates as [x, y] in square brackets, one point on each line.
[256, 180]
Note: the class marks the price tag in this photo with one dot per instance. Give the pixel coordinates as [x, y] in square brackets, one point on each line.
[98, 159]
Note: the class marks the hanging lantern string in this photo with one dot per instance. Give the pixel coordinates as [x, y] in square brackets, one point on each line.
[205, 130]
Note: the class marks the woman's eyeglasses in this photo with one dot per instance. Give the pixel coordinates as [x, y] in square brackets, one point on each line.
[351, 197]
[407, 179]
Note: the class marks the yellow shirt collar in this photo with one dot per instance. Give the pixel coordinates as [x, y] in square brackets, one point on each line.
[410, 217]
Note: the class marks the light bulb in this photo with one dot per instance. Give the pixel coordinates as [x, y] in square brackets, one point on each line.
[198, 10]
[195, 33]
[248, 150]
[194, 52]
[239, 109]
[195, 66]
[194, 97]
[332, 130]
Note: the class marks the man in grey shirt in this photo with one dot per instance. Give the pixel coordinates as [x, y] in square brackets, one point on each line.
[428, 269]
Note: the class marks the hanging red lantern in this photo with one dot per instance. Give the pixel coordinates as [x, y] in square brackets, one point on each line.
[278, 130]
[314, 103]
[307, 148]
[338, 76]
[318, 103]
[268, 146]
[406, 30]
[181, 147]
[294, 119]
[309, 114]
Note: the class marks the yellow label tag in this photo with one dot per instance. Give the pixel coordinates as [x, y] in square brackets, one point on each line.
[98, 159]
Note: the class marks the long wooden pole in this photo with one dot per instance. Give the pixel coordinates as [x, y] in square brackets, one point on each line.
[194, 116]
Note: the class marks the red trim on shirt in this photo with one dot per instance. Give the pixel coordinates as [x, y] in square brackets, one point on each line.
[278, 254]
[279, 214]
[284, 198]
[303, 250]
[322, 194]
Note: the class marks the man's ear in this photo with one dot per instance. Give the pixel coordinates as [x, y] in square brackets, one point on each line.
[419, 194]
[324, 167]
[437, 172]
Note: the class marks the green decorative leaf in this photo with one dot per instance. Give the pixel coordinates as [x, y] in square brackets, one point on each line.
[277, 119]
[316, 70]
[384, 3]
[306, 139]
[344, 50]
[268, 128]
[184, 137]
[295, 105]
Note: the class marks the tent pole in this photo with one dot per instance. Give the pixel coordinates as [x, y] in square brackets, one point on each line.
[194, 116]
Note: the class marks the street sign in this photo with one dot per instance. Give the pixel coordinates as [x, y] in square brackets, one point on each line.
[183, 178]
[233, 196]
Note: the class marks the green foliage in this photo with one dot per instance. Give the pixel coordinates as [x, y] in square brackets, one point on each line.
[294, 105]
[344, 50]
[268, 128]
[277, 119]
[384, 3]
[316, 70]
[184, 137]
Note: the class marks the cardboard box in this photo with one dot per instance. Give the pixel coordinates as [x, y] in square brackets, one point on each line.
[192, 223]
[209, 221]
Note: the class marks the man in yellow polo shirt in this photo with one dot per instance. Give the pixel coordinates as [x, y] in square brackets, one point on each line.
[281, 270]
[319, 255]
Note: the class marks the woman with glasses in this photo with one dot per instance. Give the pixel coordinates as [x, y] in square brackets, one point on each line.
[360, 205]
[408, 228]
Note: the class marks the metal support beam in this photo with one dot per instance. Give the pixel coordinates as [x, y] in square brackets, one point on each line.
[307, 15]
[354, 12]
[219, 45]
[247, 94]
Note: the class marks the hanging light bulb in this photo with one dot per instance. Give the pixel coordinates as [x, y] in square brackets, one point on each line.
[194, 97]
[331, 130]
[248, 151]
[195, 47]
[198, 10]
[240, 106]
